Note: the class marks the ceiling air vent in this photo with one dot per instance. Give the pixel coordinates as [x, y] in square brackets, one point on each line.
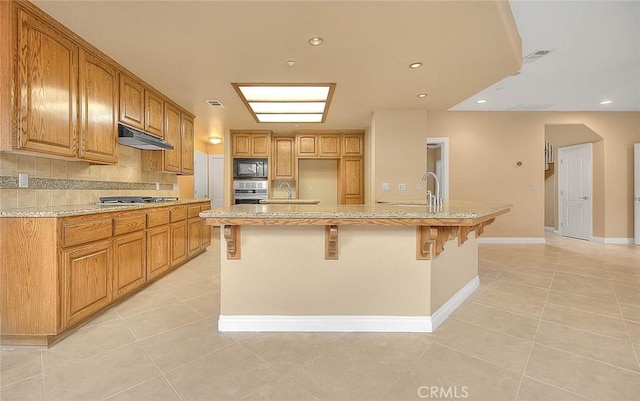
[215, 103]
[536, 55]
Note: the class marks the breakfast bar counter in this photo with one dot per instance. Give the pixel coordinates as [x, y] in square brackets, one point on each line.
[382, 267]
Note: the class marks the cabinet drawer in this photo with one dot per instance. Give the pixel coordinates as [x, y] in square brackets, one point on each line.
[205, 206]
[86, 231]
[193, 211]
[178, 214]
[128, 224]
[157, 218]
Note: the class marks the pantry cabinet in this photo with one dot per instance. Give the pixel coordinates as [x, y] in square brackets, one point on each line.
[47, 74]
[352, 180]
[98, 109]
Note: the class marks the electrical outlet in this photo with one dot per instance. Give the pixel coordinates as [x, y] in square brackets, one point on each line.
[23, 180]
[385, 186]
[175, 186]
[310, 188]
[157, 186]
[402, 186]
[418, 187]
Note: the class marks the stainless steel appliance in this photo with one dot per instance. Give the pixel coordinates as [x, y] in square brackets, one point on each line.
[250, 169]
[127, 200]
[141, 140]
[250, 191]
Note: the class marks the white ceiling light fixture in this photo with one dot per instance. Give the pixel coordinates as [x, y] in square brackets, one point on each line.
[293, 103]
[215, 140]
[422, 95]
[415, 66]
[606, 102]
[291, 63]
[481, 101]
[316, 41]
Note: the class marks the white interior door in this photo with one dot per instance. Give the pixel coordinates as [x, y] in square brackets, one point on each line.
[216, 180]
[574, 189]
[200, 175]
[636, 192]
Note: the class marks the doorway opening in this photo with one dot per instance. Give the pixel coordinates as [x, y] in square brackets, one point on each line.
[438, 163]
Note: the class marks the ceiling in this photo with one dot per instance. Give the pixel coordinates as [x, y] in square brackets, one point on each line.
[193, 50]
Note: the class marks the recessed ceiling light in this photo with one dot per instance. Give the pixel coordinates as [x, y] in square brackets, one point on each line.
[291, 63]
[480, 101]
[606, 102]
[215, 140]
[414, 66]
[422, 95]
[316, 41]
[290, 103]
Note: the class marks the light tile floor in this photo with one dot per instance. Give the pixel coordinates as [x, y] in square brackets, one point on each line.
[552, 322]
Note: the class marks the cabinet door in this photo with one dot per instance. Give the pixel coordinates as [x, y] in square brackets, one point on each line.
[129, 263]
[352, 174]
[154, 113]
[260, 145]
[283, 158]
[47, 87]
[98, 109]
[307, 146]
[178, 242]
[195, 236]
[131, 102]
[158, 251]
[352, 145]
[206, 229]
[187, 144]
[241, 145]
[86, 281]
[172, 130]
[329, 145]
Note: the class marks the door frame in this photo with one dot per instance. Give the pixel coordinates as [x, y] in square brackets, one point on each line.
[562, 171]
[444, 159]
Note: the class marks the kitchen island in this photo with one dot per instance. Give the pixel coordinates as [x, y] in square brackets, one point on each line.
[381, 267]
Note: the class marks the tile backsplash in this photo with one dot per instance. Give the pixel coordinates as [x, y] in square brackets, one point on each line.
[89, 181]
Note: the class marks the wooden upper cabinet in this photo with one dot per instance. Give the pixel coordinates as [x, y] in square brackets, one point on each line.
[187, 144]
[284, 158]
[132, 103]
[46, 90]
[352, 145]
[154, 120]
[251, 144]
[98, 109]
[173, 131]
[307, 145]
[329, 145]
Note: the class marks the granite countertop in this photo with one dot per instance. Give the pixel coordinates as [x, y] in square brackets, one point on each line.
[93, 208]
[292, 201]
[451, 210]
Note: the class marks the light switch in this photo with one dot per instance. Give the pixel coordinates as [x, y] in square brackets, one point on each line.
[533, 187]
[385, 186]
[418, 187]
[402, 186]
[23, 180]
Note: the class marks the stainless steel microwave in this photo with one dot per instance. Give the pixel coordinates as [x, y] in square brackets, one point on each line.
[250, 169]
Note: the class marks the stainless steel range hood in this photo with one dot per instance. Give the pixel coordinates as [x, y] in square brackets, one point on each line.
[137, 139]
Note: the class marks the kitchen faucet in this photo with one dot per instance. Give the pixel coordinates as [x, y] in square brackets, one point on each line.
[433, 201]
[289, 193]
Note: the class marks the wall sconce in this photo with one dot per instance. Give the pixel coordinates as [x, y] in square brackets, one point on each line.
[215, 140]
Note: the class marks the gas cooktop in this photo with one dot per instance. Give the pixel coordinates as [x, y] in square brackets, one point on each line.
[124, 200]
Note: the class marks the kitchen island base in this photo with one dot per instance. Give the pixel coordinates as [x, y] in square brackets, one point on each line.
[283, 280]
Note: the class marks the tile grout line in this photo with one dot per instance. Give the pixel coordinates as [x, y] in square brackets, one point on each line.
[44, 389]
[626, 326]
[406, 371]
[533, 342]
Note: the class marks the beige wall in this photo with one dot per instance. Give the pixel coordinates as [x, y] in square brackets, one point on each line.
[128, 169]
[485, 147]
[318, 179]
[398, 149]
[433, 155]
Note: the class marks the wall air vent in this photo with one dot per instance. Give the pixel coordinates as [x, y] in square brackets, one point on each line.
[534, 56]
[215, 103]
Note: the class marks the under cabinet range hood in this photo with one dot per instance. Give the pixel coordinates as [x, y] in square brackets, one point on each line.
[137, 139]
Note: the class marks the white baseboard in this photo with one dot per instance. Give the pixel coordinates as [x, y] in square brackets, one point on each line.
[548, 229]
[619, 241]
[511, 240]
[357, 323]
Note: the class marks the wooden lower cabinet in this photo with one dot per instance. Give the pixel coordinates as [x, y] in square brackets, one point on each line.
[158, 251]
[129, 263]
[86, 281]
[194, 227]
[178, 242]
